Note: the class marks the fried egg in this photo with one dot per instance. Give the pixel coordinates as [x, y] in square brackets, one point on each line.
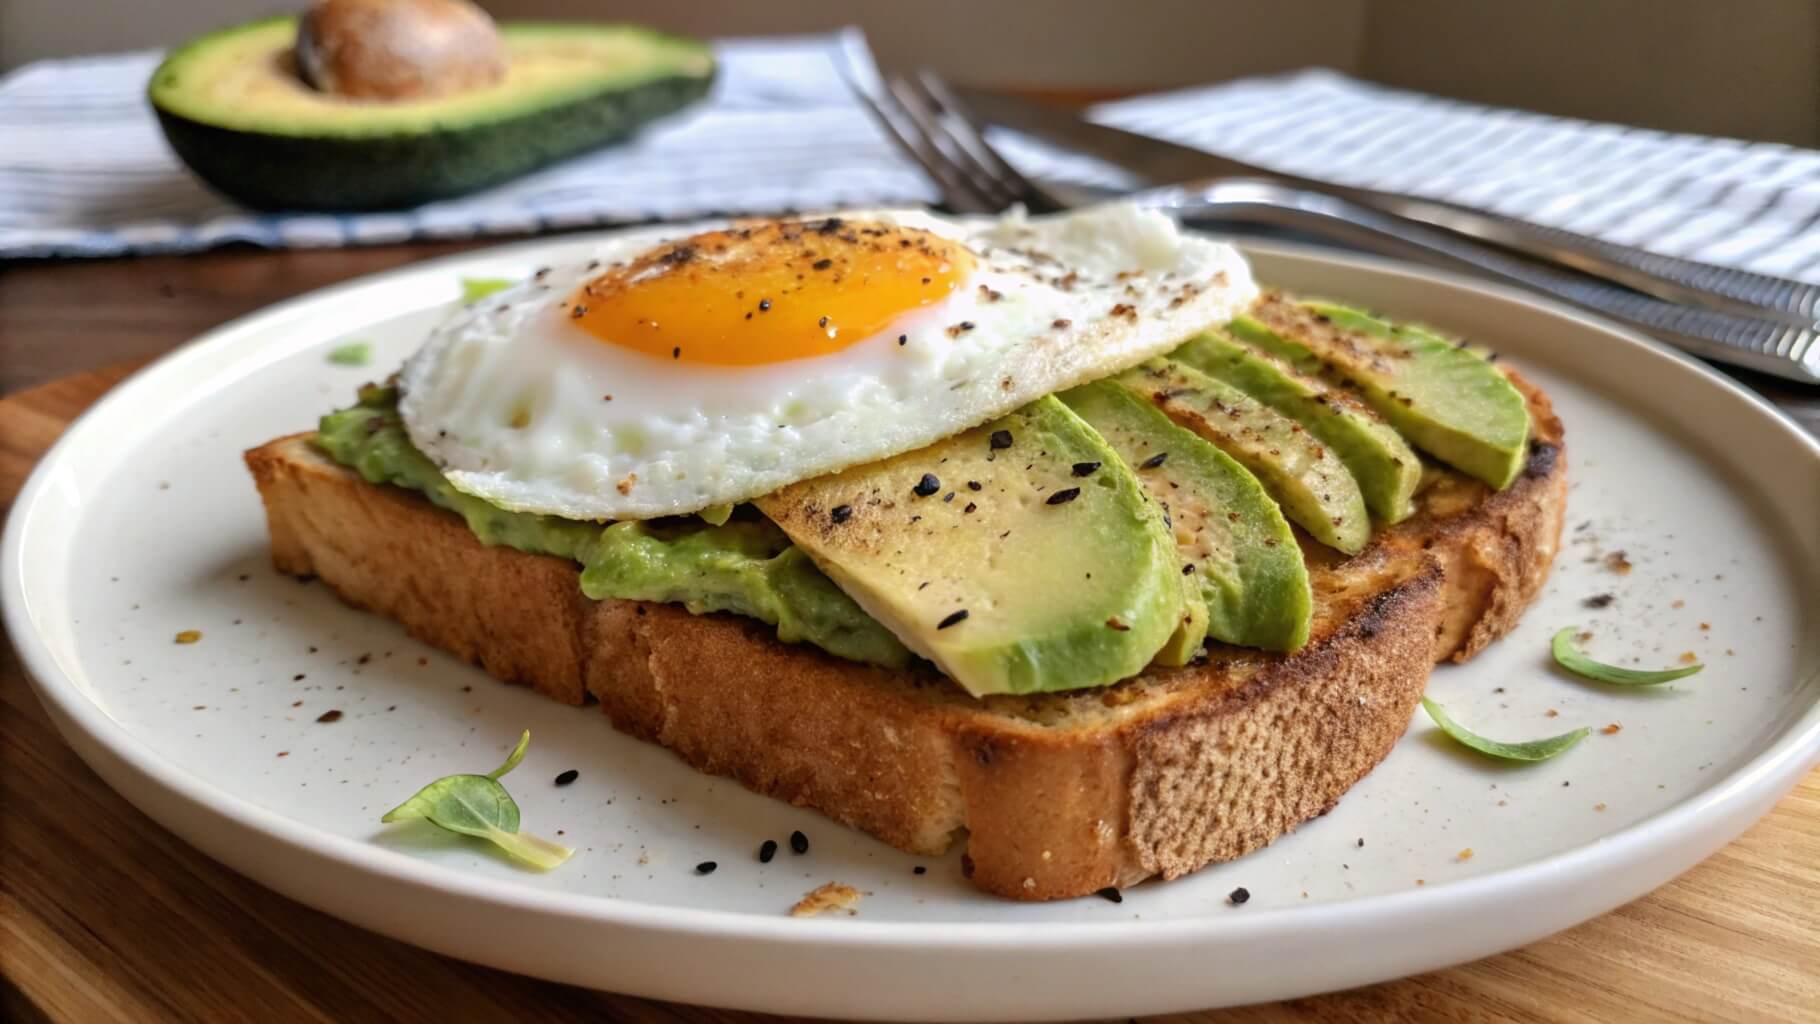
[677, 370]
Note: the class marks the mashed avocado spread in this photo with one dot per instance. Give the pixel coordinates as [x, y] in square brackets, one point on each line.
[745, 566]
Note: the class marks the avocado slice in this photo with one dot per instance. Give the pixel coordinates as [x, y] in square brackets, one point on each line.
[1248, 571]
[1019, 556]
[1444, 398]
[1317, 491]
[233, 107]
[1386, 469]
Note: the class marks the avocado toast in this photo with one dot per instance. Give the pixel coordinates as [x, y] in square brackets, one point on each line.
[1018, 708]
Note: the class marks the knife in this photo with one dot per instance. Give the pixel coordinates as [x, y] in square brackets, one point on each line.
[1670, 278]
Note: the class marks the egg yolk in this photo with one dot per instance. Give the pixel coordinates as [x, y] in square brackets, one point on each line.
[771, 292]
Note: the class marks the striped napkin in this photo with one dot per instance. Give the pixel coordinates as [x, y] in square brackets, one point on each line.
[85, 172]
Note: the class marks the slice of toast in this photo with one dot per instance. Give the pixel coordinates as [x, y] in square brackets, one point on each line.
[1059, 795]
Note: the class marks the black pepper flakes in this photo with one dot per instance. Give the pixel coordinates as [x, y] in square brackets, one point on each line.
[1085, 468]
[676, 353]
[919, 870]
[706, 867]
[1111, 894]
[928, 485]
[821, 264]
[1154, 461]
[1600, 600]
[903, 339]
[1239, 896]
[767, 850]
[973, 485]
[799, 843]
[764, 305]
[971, 507]
[567, 777]
[1063, 496]
[953, 618]
[841, 513]
[329, 716]
[1000, 439]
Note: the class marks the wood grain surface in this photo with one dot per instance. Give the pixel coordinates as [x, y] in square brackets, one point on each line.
[105, 916]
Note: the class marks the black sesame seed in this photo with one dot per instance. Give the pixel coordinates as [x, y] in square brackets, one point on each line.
[971, 507]
[841, 513]
[767, 850]
[1111, 893]
[919, 870]
[1188, 570]
[799, 843]
[1000, 439]
[1085, 468]
[822, 264]
[1063, 496]
[1154, 461]
[567, 777]
[676, 353]
[948, 497]
[706, 867]
[926, 486]
[973, 485]
[1239, 896]
[953, 617]
[903, 339]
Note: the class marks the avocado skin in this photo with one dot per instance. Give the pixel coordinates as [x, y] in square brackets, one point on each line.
[319, 173]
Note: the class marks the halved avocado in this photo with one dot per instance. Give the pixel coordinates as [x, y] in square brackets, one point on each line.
[235, 109]
[1018, 556]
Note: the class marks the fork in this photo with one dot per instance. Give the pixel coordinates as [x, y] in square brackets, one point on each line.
[925, 118]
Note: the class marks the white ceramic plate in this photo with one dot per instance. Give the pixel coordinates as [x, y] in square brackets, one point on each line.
[142, 522]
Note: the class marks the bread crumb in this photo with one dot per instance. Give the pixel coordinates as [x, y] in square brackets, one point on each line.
[1464, 855]
[1552, 713]
[625, 485]
[1678, 604]
[1598, 806]
[1706, 627]
[1421, 881]
[1689, 657]
[189, 636]
[1617, 563]
[832, 896]
[1612, 729]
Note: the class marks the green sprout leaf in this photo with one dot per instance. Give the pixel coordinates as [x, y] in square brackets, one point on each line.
[1569, 657]
[473, 289]
[479, 806]
[1534, 750]
[354, 353]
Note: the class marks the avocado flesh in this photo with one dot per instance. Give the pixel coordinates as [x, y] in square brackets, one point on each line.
[1382, 463]
[1445, 399]
[234, 109]
[745, 567]
[1057, 593]
[1248, 571]
[1184, 645]
[1316, 491]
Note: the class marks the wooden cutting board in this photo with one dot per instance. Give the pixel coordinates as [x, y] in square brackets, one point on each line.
[105, 916]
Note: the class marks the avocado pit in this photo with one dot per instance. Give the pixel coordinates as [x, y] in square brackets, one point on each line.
[391, 50]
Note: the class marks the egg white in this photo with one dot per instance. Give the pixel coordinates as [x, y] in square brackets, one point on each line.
[523, 408]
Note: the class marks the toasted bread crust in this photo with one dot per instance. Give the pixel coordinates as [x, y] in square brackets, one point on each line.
[1059, 795]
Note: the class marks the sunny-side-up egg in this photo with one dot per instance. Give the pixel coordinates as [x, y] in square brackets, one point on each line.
[674, 371]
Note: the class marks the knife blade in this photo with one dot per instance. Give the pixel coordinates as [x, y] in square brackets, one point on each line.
[1670, 278]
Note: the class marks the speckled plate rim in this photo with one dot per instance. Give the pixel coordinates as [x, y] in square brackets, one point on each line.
[1364, 940]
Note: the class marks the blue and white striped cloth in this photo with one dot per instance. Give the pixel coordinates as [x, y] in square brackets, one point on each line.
[85, 172]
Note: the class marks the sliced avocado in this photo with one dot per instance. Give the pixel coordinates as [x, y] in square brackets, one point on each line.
[1316, 490]
[1190, 635]
[234, 108]
[1034, 562]
[1444, 398]
[1247, 568]
[1386, 469]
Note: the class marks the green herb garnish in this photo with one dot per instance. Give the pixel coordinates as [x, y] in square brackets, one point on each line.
[477, 805]
[473, 289]
[1569, 657]
[1534, 750]
[354, 353]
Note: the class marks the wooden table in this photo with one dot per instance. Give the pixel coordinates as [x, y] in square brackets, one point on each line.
[104, 916]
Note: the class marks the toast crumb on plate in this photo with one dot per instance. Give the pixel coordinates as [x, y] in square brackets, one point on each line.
[823, 898]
